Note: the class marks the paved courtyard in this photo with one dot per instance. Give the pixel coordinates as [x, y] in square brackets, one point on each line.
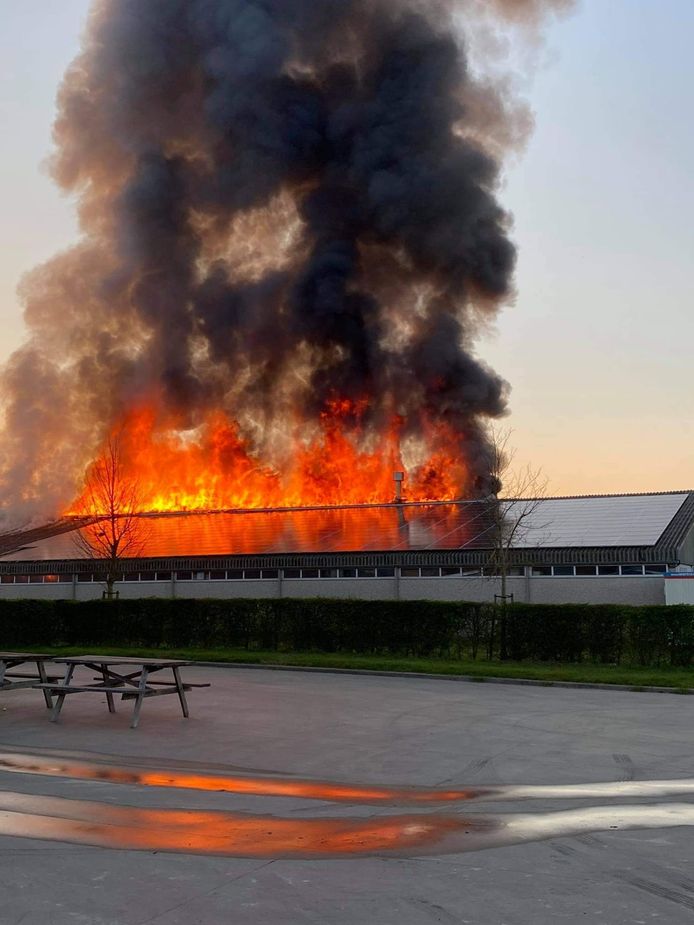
[271, 739]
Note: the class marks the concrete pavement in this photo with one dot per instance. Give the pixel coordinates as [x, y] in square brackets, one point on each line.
[364, 732]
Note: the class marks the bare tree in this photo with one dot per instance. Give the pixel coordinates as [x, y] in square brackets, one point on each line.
[512, 517]
[112, 501]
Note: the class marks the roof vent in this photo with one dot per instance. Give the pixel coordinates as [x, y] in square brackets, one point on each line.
[398, 478]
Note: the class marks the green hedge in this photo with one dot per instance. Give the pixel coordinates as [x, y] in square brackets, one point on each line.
[613, 634]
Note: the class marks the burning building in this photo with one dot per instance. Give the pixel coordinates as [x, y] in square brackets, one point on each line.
[291, 239]
[602, 549]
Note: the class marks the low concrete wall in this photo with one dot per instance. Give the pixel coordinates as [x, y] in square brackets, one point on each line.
[679, 589]
[222, 590]
[590, 590]
[457, 589]
[365, 589]
[636, 590]
[52, 592]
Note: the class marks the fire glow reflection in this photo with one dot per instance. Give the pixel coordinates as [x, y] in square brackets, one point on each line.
[227, 783]
[241, 835]
[222, 833]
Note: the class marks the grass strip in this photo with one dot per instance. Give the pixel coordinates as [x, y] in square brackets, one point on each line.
[631, 676]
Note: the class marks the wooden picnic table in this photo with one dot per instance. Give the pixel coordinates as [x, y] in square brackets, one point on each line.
[113, 679]
[28, 677]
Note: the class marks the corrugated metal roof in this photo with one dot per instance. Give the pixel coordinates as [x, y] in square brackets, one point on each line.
[604, 522]
[618, 520]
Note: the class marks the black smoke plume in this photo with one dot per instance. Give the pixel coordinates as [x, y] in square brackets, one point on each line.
[282, 203]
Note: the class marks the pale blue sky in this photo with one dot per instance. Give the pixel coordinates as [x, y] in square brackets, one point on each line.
[598, 345]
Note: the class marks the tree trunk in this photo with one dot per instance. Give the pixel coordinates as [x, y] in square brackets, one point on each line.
[110, 581]
[503, 653]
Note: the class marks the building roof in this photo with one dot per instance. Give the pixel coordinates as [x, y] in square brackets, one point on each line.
[644, 527]
[607, 520]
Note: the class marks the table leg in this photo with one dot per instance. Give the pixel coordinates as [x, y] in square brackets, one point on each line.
[181, 692]
[44, 680]
[142, 687]
[109, 695]
[61, 697]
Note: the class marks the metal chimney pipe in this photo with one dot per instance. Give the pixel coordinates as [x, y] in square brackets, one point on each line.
[398, 478]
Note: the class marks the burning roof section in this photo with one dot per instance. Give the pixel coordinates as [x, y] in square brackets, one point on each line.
[656, 524]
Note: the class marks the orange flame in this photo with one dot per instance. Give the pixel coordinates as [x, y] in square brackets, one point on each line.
[216, 469]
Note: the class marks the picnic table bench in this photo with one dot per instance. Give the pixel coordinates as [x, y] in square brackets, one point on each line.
[113, 680]
[9, 661]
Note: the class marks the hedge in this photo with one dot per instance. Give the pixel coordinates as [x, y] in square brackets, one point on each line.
[607, 633]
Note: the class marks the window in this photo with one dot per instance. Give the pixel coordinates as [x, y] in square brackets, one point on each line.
[7, 579]
[608, 570]
[21, 579]
[310, 573]
[450, 570]
[563, 570]
[53, 579]
[148, 576]
[586, 569]
[252, 573]
[270, 573]
[84, 576]
[367, 572]
[348, 572]
[385, 572]
[132, 576]
[472, 572]
[163, 576]
[632, 570]
[655, 569]
[430, 571]
[292, 573]
[328, 573]
[235, 574]
[541, 570]
[516, 571]
[184, 576]
[36, 579]
[409, 572]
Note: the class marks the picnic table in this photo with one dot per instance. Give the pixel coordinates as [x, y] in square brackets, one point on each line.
[9, 661]
[114, 678]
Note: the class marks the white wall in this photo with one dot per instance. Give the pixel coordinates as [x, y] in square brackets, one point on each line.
[369, 589]
[679, 590]
[597, 590]
[613, 589]
[52, 592]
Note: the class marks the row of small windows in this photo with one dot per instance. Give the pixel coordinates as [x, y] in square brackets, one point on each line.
[569, 571]
[425, 571]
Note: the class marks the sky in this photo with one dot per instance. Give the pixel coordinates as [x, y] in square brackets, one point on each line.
[598, 343]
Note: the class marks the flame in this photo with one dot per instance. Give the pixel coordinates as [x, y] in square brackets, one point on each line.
[215, 468]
